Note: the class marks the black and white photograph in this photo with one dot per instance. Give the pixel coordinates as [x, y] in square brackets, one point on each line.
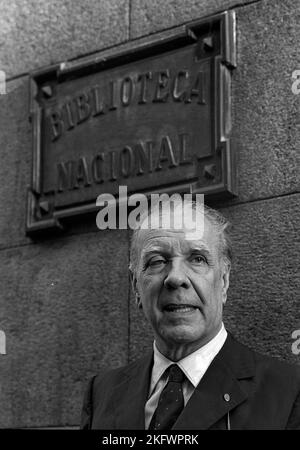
[149, 227]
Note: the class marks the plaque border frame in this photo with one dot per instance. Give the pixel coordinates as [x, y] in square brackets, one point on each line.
[50, 219]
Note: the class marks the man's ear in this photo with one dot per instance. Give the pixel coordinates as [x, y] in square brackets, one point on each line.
[133, 280]
[225, 281]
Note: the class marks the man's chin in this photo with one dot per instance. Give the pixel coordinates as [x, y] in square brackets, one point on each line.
[182, 334]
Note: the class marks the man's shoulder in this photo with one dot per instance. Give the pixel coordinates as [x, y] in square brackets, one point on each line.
[270, 367]
[118, 375]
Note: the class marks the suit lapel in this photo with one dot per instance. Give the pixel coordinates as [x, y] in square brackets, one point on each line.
[220, 389]
[131, 395]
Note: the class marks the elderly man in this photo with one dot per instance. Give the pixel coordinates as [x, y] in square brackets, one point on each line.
[198, 376]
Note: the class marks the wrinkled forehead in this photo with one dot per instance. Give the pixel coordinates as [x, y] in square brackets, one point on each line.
[173, 240]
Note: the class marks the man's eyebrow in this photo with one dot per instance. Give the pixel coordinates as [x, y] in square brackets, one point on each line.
[154, 249]
[199, 247]
[165, 249]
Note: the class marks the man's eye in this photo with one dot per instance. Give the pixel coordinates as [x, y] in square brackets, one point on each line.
[156, 262]
[198, 259]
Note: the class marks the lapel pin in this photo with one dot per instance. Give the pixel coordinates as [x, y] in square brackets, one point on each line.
[226, 397]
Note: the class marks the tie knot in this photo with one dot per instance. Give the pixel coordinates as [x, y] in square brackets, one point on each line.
[176, 374]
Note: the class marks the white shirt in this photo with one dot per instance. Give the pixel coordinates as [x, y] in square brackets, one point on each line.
[194, 367]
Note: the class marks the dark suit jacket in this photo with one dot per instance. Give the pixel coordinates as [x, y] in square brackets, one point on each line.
[264, 393]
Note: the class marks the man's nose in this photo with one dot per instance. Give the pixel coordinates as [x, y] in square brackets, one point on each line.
[177, 276]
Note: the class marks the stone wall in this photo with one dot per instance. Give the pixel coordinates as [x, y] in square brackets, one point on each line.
[65, 302]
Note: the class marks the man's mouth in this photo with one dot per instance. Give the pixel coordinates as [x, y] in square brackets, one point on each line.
[172, 307]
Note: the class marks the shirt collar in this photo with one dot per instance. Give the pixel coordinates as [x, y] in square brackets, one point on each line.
[194, 365]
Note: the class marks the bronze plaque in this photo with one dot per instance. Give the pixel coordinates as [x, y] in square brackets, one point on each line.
[154, 117]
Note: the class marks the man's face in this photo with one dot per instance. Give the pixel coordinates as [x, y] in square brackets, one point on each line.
[182, 286]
